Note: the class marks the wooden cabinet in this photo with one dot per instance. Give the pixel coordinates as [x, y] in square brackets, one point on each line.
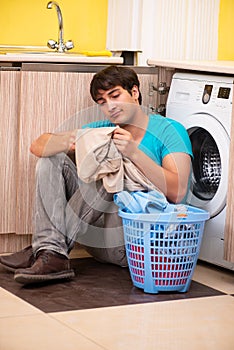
[47, 101]
[9, 106]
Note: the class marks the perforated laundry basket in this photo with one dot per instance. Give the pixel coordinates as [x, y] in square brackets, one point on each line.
[162, 249]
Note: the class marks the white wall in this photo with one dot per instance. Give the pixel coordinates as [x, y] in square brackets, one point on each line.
[164, 29]
[124, 25]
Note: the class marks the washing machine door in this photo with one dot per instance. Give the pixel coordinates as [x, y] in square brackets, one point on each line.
[210, 144]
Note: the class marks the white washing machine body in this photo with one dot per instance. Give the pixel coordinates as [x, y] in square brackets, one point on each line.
[203, 104]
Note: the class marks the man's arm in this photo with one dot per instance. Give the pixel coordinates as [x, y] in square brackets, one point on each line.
[171, 178]
[49, 144]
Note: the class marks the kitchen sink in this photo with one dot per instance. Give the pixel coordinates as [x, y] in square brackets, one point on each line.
[53, 53]
[43, 50]
[33, 50]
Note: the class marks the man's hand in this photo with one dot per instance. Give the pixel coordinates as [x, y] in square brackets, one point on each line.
[124, 142]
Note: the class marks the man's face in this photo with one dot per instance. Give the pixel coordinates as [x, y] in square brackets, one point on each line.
[118, 105]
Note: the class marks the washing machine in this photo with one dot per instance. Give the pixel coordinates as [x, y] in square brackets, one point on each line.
[203, 104]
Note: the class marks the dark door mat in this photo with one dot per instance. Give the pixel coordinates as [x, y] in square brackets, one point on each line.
[95, 285]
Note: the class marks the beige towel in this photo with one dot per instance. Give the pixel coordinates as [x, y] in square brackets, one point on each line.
[98, 158]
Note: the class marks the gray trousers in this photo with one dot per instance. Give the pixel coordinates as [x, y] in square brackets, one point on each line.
[68, 210]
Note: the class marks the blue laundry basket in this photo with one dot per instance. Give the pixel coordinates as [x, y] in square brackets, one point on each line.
[162, 249]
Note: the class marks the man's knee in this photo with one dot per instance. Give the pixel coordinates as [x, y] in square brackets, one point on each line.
[46, 164]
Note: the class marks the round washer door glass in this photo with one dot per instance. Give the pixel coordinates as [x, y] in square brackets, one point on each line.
[207, 167]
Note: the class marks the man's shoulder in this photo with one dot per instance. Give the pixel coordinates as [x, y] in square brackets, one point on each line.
[163, 122]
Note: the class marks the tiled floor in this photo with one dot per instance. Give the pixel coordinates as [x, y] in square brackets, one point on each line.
[202, 319]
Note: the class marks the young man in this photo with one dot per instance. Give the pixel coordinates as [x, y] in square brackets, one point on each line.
[66, 207]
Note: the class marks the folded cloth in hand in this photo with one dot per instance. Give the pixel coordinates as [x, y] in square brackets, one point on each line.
[97, 158]
[141, 201]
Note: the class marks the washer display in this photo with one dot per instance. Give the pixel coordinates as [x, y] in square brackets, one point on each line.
[203, 104]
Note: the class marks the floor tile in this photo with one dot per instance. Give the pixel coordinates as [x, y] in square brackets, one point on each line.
[41, 332]
[214, 277]
[202, 323]
[11, 305]
[95, 285]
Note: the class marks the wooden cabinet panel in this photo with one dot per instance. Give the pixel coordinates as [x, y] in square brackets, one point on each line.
[48, 101]
[9, 95]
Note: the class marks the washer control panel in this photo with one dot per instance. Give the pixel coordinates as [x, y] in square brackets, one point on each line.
[223, 92]
[204, 91]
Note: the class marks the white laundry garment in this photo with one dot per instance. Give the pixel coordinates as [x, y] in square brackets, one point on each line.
[97, 158]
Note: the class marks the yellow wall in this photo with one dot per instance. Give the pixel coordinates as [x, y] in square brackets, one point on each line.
[29, 22]
[226, 30]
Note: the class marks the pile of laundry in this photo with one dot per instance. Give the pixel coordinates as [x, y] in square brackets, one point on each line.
[141, 201]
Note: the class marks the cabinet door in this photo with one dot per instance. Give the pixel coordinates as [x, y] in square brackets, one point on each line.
[9, 97]
[49, 100]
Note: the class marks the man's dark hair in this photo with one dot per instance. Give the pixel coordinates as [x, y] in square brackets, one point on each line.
[114, 76]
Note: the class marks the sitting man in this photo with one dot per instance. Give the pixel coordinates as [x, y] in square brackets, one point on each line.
[66, 207]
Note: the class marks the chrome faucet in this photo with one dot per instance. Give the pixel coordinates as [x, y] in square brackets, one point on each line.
[60, 46]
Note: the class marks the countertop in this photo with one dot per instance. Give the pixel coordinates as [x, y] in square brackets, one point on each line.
[205, 66]
[59, 58]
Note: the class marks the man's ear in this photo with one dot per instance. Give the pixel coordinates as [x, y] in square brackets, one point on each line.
[135, 92]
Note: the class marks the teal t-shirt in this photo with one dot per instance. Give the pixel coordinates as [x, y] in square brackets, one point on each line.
[162, 136]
